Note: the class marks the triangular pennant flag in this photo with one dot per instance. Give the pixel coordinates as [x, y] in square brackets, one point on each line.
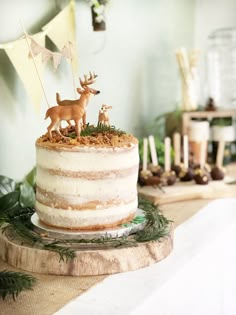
[61, 30]
[35, 47]
[67, 51]
[56, 59]
[24, 65]
[46, 55]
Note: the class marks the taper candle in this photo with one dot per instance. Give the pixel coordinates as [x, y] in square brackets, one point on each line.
[185, 149]
[153, 150]
[177, 148]
[167, 155]
[145, 153]
[203, 154]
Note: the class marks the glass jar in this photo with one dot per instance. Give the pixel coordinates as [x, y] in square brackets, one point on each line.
[221, 67]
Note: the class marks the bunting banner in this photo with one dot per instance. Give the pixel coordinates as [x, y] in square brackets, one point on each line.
[61, 31]
[18, 53]
[45, 53]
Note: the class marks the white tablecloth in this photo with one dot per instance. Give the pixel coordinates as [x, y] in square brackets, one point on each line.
[197, 278]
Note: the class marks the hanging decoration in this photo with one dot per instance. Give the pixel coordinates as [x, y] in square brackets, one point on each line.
[98, 14]
[18, 53]
[47, 54]
[61, 31]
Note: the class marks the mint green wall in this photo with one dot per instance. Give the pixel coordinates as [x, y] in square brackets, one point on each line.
[134, 59]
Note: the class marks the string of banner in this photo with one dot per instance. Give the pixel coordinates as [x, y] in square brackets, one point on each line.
[29, 54]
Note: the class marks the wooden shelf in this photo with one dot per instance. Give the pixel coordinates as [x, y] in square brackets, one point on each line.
[187, 116]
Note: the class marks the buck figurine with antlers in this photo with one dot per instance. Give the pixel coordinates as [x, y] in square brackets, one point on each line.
[103, 117]
[72, 109]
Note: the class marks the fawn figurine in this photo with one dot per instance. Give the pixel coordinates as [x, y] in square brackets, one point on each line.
[72, 109]
[103, 117]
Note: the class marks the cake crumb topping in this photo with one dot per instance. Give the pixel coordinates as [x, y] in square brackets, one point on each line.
[90, 136]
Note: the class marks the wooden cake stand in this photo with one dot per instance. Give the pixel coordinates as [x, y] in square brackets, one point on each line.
[88, 261]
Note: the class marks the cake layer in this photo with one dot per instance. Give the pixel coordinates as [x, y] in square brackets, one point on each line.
[112, 174]
[85, 189]
[87, 219]
[90, 159]
[72, 202]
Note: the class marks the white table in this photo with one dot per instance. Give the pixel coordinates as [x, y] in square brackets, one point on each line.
[198, 278]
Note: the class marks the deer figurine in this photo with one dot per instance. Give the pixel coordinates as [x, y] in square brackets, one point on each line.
[85, 92]
[72, 109]
[103, 117]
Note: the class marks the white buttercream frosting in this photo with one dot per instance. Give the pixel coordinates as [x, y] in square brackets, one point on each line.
[90, 159]
[84, 218]
[87, 190]
[65, 173]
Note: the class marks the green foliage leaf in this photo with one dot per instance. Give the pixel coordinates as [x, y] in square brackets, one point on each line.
[16, 209]
[12, 283]
[27, 195]
[9, 201]
[157, 225]
[21, 228]
[7, 185]
[31, 177]
[222, 121]
[65, 253]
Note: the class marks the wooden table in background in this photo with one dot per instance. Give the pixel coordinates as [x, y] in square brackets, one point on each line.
[182, 192]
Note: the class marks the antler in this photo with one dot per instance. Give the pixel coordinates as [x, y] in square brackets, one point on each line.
[88, 81]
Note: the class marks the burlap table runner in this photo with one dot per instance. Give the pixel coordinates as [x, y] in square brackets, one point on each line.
[49, 294]
[53, 292]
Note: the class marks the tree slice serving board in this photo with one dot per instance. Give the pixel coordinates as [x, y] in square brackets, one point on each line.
[187, 191]
[87, 262]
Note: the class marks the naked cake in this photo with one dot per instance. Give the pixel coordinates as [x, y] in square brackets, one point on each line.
[86, 175]
[87, 182]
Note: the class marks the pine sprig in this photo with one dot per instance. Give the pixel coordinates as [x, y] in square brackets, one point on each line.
[157, 225]
[12, 283]
[17, 220]
[65, 253]
[105, 241]
[21, 232]
[151, 234]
